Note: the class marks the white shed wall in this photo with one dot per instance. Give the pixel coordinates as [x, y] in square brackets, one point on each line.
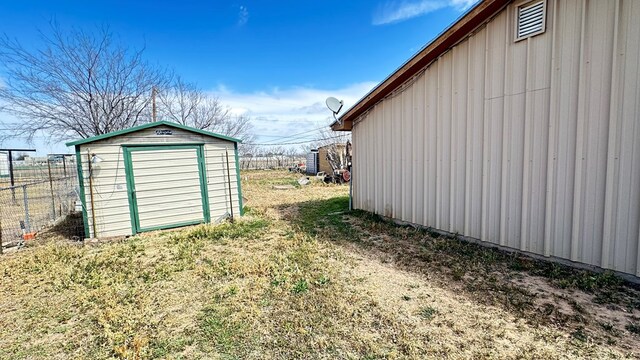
[110, 183]
[533, 145]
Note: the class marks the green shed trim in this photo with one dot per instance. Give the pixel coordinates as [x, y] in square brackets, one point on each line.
[235, 147]
[83, 200]
[203, 184]
[171, 226]
[147, 126]
[128, 171]
[133, 203]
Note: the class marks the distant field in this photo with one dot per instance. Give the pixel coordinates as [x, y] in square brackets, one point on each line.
[300, 278]
[24, 174]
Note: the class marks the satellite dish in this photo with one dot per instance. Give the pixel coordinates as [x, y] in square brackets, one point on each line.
[334, 104]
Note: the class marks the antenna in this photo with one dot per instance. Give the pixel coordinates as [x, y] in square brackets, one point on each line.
[335, 106]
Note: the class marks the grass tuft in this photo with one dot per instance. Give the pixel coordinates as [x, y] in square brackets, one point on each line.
[428, 312]
[633, 328]
[300, 286]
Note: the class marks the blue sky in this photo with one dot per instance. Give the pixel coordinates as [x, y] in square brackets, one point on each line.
[274, 60]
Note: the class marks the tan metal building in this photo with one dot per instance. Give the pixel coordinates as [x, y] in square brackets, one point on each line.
[518, 126]
[156, 176]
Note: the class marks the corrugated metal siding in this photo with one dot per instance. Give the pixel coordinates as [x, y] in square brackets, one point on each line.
[312, 163]
[110, 185]
[533, 145]
[168, 187]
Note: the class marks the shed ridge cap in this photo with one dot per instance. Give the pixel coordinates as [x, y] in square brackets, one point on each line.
[147, 126]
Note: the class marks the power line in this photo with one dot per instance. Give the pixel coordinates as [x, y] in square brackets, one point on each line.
[292, 135]
[292, 138]
[295, 143]
[296, 136]
[288, 121]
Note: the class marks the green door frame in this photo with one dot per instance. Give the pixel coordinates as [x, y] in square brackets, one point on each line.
[131, 192]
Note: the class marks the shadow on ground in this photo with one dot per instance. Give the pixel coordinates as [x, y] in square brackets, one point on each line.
[590, 306]
[70, 228]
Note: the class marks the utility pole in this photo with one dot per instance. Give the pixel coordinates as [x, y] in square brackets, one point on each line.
[154, 92]
[11, 175]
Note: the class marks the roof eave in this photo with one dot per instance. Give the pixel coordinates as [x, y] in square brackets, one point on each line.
[341, 125]
[457, 31]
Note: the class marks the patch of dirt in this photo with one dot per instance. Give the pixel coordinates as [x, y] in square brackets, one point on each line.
[482, 276]
[465, 298]
[456, 324]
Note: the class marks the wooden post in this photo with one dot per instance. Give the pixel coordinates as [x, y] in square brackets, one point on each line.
[154, 92]
[1, 236]
[229, 184]
[93, 211]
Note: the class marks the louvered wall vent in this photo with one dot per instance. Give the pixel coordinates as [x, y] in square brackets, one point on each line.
[530, 19]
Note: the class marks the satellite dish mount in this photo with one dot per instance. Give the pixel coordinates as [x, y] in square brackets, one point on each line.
[335, 106]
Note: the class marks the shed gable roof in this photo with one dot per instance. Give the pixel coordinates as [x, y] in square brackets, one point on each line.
[151, 125]
[451, 36]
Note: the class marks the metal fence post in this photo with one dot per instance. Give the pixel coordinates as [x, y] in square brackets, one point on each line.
[27, 223]
[53, 199]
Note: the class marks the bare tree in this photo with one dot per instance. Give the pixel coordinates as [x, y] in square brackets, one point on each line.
[186, 104]
[76, 84]
[327, 137]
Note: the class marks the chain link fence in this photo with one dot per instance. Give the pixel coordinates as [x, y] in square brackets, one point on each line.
[43, 200]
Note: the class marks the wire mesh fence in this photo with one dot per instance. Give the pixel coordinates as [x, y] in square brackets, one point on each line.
[43, 199]
[271, 162]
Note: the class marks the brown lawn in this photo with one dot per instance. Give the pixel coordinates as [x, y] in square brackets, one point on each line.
[299, 277]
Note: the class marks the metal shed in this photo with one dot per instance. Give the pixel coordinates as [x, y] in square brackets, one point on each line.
[156, 176]
[312, 162]
[519, 126]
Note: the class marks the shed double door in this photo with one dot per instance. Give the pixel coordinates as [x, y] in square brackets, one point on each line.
[166, 186]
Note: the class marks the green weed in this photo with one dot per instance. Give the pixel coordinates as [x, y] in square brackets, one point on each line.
[216, 325]
[427, 312]
[322, 280]
[300, 286]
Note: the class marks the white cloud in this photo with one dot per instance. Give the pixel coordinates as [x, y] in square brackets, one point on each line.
[281, 112]
[275, 113]
[396, 11]
[243, 15]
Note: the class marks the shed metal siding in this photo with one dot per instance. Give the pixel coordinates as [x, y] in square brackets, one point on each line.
[109, 179]
[168, 188]
[534, 144]
[312, 163]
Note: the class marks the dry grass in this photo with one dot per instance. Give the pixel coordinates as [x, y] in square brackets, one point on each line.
[298, 278]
